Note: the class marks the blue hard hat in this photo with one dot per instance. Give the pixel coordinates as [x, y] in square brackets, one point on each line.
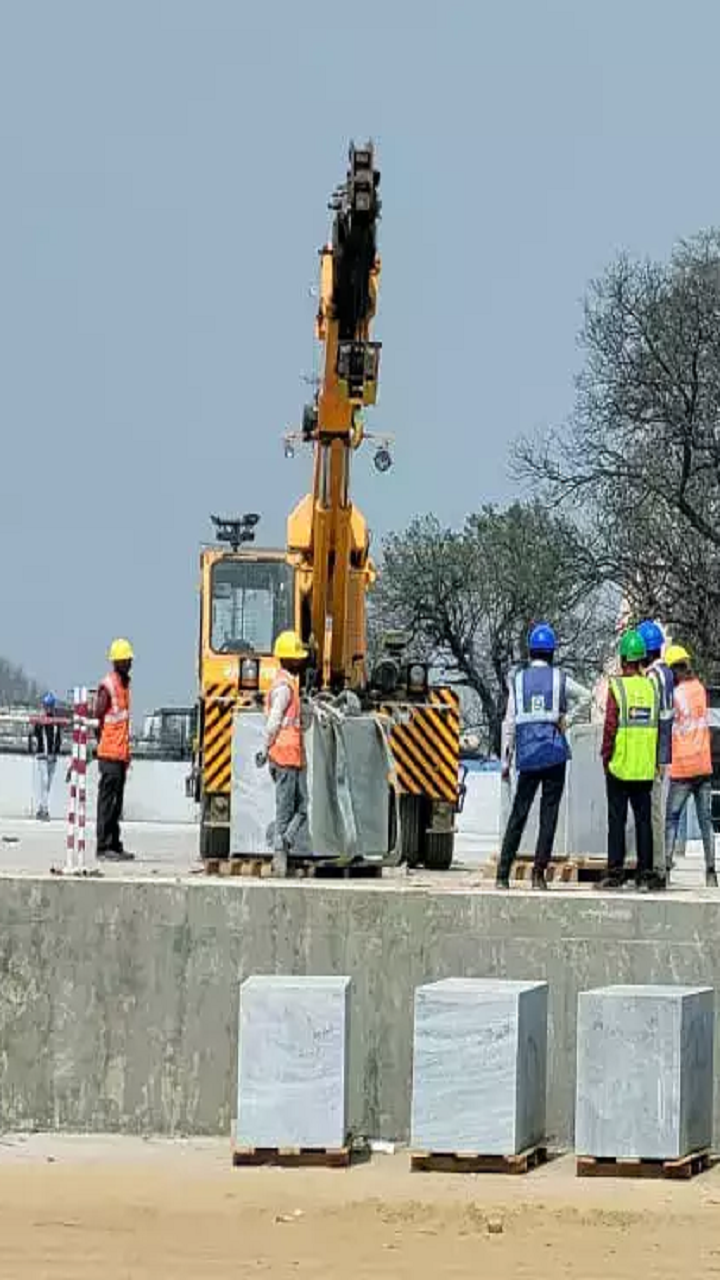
[652, 635]
[542, 638]
[49, 700]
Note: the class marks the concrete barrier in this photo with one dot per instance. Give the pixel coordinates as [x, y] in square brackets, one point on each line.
[119, 999]
[582, 825]
[156, 793]
[155, 790]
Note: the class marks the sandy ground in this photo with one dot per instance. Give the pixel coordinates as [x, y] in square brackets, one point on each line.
[112, 1208]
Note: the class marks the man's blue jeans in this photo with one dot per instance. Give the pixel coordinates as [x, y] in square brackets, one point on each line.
[680, 792]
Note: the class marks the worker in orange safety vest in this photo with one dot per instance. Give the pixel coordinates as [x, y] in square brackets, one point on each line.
[112, 710]
[285, 753]
[691, 766]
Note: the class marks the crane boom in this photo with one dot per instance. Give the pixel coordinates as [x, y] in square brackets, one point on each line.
[318, 584]
[326, 532]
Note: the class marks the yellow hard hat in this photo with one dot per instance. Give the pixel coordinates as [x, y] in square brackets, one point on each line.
[675, 654]
[289, 645]
[121, 651]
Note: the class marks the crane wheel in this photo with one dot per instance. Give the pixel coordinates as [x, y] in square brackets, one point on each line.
[412, 822]
[438, 850]
[214, 841]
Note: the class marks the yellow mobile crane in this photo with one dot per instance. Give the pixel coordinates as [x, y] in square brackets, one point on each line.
[319, 584]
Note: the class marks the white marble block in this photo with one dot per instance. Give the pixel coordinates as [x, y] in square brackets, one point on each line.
[292, 1068]
[479, 1066]
[644, 1071]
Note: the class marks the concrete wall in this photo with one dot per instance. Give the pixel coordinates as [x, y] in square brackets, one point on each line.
[118, 1000]
[155, 790]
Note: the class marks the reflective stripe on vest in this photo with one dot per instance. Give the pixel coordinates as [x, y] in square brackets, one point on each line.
[540, 703]
[634, 757]
[539, 714]
[691, 732]
[115, 734]
[664, 680]
[287, 749]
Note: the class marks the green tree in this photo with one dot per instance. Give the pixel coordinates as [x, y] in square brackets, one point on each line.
[467, 597]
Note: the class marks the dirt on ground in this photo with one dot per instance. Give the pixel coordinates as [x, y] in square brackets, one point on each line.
[123, 1209]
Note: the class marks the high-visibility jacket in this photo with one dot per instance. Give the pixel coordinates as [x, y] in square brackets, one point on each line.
[662, 675]
[115, 733]
[691, 756]
[634, 757]
[540, 703]
[287, 749]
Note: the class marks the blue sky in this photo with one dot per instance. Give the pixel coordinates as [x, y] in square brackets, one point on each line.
[165, 172]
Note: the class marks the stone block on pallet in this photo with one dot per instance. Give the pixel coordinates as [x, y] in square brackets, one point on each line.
[292, 1068]
[644, 1071]
[252, 806]
[480, 1066]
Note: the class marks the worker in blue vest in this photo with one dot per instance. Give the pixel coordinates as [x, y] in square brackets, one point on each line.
[664, 681]
[540, 697]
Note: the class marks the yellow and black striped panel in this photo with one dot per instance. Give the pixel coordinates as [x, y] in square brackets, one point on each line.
[426, 748]
[217, 737]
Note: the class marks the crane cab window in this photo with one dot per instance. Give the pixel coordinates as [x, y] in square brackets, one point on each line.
[251, 603]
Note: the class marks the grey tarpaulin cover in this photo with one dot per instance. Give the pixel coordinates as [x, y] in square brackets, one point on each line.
[349, 766]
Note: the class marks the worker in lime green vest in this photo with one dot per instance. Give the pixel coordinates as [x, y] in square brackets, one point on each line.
[630, 757]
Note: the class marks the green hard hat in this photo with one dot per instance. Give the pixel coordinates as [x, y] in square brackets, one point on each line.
[632, 647]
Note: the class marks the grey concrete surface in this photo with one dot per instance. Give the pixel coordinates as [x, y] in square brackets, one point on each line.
[29, 847]
[119, 997]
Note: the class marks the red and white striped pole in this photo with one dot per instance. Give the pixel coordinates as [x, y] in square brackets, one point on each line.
[82, 778]
[77, 807]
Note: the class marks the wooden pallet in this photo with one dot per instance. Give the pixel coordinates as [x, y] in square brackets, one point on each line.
[561, 870]
[686, 1167]
[301, 869]
[245, 866]
[292, 1157]
[471, 1162]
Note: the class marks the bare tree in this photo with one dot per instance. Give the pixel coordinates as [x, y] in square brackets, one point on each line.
[639, 461]
[469, 596]
[16, 688]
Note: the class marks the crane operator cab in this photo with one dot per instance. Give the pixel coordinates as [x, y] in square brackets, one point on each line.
[247, 597]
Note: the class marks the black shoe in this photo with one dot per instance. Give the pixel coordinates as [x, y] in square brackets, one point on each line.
[609, 882]
[115, 855]
[645, 886]
[502, 881]
[538, 880]
[711, 879]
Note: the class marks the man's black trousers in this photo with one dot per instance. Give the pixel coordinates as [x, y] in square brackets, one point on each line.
[552, 783]
[111, 790]
[619, 795]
